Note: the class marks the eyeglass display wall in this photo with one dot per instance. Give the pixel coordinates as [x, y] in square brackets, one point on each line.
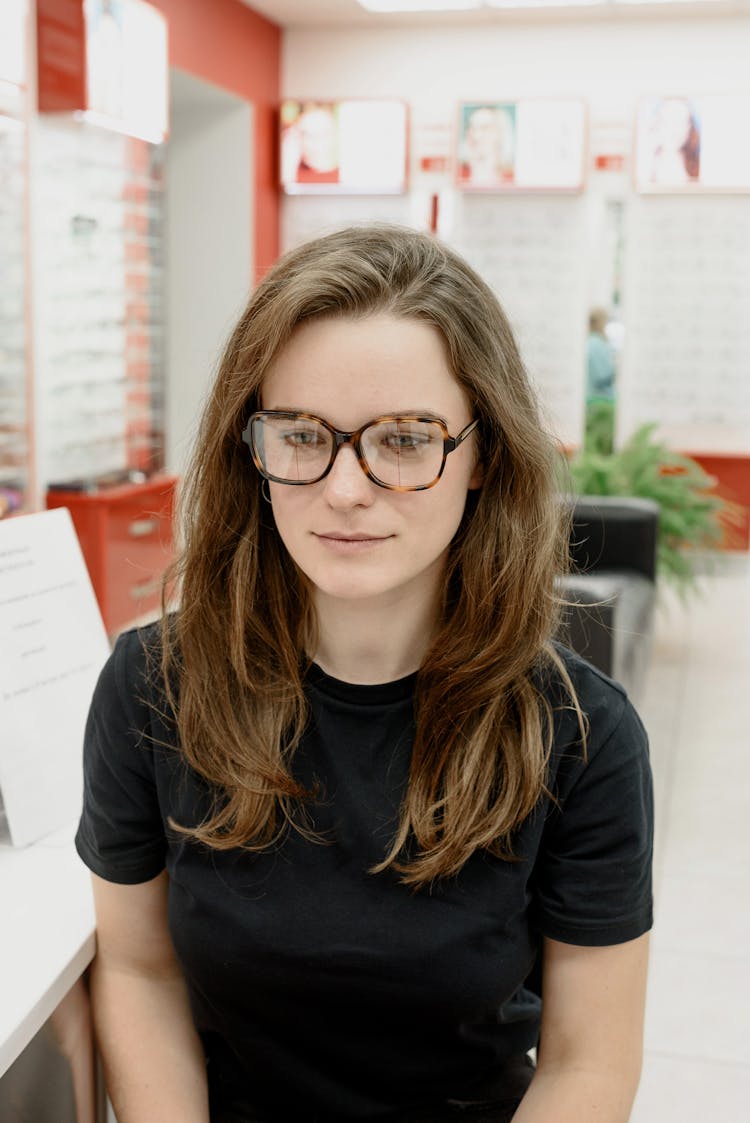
[14, 450]
[14, 419]
[100, 305]
[528, 249]
[687, 289]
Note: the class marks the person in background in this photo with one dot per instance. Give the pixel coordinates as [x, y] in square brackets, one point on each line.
[600, 358]
[363, 834]
[601, 373]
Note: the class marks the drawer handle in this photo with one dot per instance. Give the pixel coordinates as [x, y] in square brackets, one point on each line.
[144, 589]
[141, 528]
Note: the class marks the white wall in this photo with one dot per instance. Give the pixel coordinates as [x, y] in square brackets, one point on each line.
[611, 64]
[209, 245]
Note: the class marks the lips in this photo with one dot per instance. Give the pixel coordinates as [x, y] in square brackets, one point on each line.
[336, 537]
[348, 545]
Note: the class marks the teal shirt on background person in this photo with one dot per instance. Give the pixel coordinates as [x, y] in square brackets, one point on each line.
[600, 368]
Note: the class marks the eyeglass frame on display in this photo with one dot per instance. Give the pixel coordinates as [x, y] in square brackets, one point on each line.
[341, 438]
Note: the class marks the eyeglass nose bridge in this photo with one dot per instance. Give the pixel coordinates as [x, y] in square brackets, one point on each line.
[340, 439]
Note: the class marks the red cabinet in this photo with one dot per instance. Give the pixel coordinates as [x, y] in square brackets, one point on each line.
[126, 538]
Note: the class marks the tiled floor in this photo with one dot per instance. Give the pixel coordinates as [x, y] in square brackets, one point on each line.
[697, 1063]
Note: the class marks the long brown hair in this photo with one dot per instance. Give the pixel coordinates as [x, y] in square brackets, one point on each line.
[235, 655]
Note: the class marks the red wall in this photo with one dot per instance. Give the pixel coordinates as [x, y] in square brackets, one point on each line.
[732, 482]
[225, 43]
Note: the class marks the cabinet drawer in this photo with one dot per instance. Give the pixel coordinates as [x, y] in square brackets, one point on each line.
[138, 550]
[126, 537]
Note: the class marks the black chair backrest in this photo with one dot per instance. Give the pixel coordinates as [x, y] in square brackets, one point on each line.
[609, 532]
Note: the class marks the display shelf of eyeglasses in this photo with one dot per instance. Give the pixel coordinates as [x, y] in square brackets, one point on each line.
[14, 437]
[102, 366]
[14, 421]
[124, 526]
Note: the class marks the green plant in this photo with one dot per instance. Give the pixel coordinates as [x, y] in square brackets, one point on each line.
[692, 516]
[599, 426]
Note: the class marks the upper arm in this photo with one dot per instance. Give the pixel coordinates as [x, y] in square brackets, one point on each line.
[121, 834]
[132, 931]
[593, 1006]
[593, 875]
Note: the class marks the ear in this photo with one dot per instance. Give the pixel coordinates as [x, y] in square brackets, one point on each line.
[477, 477]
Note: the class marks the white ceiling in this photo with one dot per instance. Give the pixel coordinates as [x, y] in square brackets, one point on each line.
[348, 13]
[309, 12]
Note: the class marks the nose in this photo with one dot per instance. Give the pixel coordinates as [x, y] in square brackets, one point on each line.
[346, 485]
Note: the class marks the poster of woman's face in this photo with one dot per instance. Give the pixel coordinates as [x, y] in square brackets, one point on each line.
[309, 142]
[669, 142]
[486, 147]
[692, 144]
[350, 146]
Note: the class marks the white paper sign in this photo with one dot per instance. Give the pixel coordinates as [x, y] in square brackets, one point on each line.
[52, 647]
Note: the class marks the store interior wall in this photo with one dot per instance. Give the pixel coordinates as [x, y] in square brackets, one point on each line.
[209, 244]
[610, 62]
[228, 44]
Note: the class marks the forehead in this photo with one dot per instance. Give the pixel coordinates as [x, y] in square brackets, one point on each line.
[351, 370]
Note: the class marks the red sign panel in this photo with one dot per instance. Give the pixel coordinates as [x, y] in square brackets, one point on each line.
[609, 162]
[61, 51]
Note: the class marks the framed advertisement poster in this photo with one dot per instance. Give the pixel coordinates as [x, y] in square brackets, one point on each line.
[526, 145]
[692, 144]
[352, 147]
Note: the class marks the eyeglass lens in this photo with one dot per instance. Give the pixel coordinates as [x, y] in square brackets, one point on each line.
[400, 453]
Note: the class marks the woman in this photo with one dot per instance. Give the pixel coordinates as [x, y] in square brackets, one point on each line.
[338, 804]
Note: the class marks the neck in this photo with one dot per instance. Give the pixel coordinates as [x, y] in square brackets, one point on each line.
[373, 642]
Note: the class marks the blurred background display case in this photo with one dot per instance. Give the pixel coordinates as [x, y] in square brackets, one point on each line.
[15, 441]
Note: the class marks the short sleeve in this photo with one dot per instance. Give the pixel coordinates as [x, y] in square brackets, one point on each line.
[593, 877]
[120, 835]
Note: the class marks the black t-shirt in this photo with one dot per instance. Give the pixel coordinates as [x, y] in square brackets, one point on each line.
[323, 991]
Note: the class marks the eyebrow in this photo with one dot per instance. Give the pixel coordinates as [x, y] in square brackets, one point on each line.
[412, 412]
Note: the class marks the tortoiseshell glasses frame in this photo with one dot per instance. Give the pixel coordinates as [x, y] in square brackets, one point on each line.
[354, 439]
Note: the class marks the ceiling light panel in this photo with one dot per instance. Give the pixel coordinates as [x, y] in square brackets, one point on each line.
[383, 6]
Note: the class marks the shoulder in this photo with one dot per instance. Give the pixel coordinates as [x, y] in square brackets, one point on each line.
[134, 649]
[130, 681]
[600, 697]
[612, 725]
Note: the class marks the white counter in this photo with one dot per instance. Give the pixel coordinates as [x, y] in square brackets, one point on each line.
[46, 935]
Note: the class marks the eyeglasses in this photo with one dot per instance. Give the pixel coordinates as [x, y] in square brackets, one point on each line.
[401, 453]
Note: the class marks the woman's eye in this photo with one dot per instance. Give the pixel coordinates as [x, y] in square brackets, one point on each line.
[405, 442]
[303, 438]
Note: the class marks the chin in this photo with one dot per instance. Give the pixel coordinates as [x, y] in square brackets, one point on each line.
[349, 589]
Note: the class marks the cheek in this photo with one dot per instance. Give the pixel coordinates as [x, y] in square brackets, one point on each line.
[289, 517]
[437, 521]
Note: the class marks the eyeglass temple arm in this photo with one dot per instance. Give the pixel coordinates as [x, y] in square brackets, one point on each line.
[452, 443]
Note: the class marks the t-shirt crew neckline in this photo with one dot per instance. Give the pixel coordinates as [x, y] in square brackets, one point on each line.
[361, 694]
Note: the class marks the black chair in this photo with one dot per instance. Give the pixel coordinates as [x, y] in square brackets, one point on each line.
[612, 590]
